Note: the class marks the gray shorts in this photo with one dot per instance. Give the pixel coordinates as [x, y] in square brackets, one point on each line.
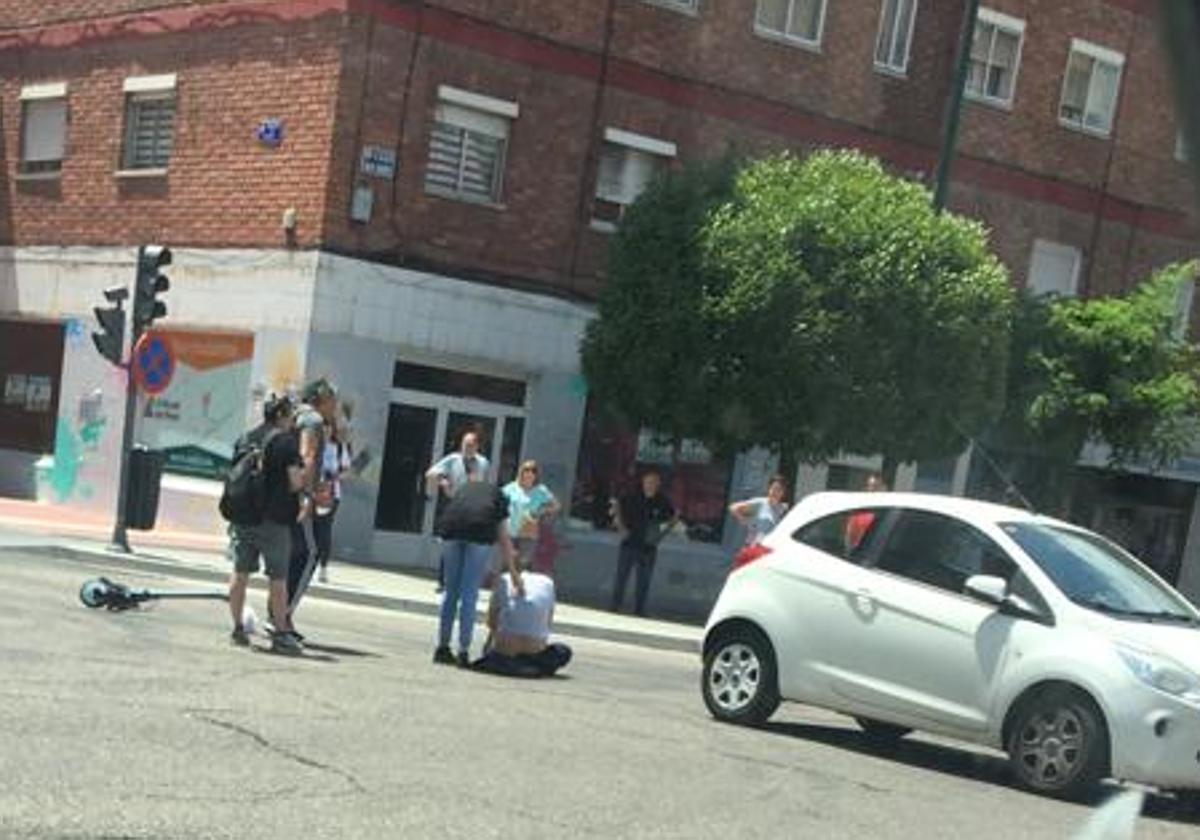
[270, 540]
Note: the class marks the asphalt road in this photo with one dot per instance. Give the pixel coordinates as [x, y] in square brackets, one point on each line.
[149, 725]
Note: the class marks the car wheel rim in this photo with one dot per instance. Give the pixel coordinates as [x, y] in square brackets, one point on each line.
[734, 679]
[1051, 747]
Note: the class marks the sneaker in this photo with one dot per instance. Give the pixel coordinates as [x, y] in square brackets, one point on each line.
[464, 659]
[238, 637]
[323, 575]
[286, 643]
[443, 656]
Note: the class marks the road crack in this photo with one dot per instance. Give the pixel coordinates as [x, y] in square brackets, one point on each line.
[283, 752]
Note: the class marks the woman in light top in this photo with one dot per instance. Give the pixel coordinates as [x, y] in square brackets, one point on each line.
[529, 504]
[763, 513]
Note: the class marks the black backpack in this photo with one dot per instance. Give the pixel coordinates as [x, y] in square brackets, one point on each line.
[244, 497]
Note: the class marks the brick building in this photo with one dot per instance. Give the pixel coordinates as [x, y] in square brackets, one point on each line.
[416, 198]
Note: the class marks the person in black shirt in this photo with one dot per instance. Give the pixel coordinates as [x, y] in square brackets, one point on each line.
[643, 518]
[470, 524]
[283, 475]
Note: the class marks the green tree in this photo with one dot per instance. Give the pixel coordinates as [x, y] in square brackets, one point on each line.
[1117, 370]
[855, 318]
[648, 354]
[813, 306]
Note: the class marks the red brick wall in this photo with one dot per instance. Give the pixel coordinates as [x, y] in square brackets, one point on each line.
[702, 81]
[223, 188]
[18, 13]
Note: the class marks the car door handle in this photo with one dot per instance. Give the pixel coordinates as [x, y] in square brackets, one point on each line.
[864, 600]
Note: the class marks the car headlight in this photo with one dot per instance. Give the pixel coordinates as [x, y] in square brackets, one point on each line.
[1161, 673]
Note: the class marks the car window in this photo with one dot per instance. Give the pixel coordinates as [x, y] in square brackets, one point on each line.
[941, 551]
[848, 534]
[1096, 573]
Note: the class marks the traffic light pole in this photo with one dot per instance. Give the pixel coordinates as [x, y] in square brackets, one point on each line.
[954, 107]
[120, 539]
[142, 313]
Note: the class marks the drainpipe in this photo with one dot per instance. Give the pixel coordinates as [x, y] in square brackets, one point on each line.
[954, 106]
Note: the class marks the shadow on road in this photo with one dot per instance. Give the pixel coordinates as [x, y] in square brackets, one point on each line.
[337, 651]
[961, 763]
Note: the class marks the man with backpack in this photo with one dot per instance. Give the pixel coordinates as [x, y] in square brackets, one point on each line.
[261, 503]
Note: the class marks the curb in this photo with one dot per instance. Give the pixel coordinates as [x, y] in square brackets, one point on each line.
[154, 563]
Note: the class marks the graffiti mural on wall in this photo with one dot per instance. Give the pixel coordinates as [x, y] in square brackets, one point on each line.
[198, 417]
[76, 441]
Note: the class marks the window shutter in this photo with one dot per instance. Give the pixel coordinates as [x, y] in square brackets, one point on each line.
[151, 132]
[45, 130]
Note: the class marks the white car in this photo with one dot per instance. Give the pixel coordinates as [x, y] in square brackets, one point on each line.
[971, 620]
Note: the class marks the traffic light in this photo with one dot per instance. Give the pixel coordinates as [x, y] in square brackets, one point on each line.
[111, 340]
[150, 282]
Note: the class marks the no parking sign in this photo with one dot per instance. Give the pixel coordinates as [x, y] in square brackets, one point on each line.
[153, 362]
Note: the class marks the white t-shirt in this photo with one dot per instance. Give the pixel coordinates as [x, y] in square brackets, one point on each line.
[454, 470]
[527, 615]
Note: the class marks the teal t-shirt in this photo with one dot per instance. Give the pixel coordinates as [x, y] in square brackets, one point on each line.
[524, 503]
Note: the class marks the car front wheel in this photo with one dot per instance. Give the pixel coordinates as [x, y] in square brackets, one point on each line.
[739, 680]
[1058, 745]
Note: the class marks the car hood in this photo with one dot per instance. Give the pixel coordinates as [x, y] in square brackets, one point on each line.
[1177, 641]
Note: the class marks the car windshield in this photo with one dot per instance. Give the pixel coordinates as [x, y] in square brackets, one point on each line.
[1097, 574]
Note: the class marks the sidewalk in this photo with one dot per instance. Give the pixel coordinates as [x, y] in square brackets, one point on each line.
[41, 528]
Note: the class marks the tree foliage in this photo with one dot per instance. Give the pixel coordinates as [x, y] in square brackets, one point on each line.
[1116, 370]
[816, 306]
[647, 356]
[859, 320]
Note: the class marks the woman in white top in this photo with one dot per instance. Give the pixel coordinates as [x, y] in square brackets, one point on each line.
[336, 461]
[762, 513]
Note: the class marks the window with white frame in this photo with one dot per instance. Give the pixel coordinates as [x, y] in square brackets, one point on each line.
[894, 44]
[1053, 269]
[1091, 87]
[689, 6]
[796, 20]
[1183, 309]
[43, 128]
[995, 57]
[468, 145]
[1182, 152]
[149, 122]
[628, 163]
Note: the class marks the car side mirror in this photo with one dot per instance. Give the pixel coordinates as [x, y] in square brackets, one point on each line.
[987, 588]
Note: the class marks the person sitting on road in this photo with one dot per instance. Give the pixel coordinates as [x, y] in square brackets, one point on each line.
[519, 621]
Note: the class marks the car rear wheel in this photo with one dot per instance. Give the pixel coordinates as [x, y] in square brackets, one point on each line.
[739, 681]
[1058, 744]
[880, 732]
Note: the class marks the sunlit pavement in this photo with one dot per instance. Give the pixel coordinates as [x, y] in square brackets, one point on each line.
[148, 724]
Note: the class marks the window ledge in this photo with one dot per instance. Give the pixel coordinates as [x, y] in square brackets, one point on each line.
[1083, 129]
[1005, 105]
[893, 72]
[141, 173]
[450, 195]
[788, 40]
[601, 226]
[693, 12]
[39, 176]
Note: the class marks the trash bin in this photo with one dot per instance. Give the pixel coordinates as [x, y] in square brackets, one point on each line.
[145, 479]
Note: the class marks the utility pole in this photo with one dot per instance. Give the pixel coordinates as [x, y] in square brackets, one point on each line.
[954, 106]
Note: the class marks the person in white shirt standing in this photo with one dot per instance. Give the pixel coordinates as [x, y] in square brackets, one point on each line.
[519, 623]
[763, 513]
[452, 472]
[335, 464]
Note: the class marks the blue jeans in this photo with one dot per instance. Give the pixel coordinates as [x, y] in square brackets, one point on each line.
[465, 563]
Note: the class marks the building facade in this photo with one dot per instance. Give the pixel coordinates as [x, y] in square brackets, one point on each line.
[416, 198]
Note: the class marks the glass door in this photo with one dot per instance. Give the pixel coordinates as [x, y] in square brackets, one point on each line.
[407, 455]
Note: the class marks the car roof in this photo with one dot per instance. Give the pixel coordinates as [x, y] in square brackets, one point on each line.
[831, 501]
